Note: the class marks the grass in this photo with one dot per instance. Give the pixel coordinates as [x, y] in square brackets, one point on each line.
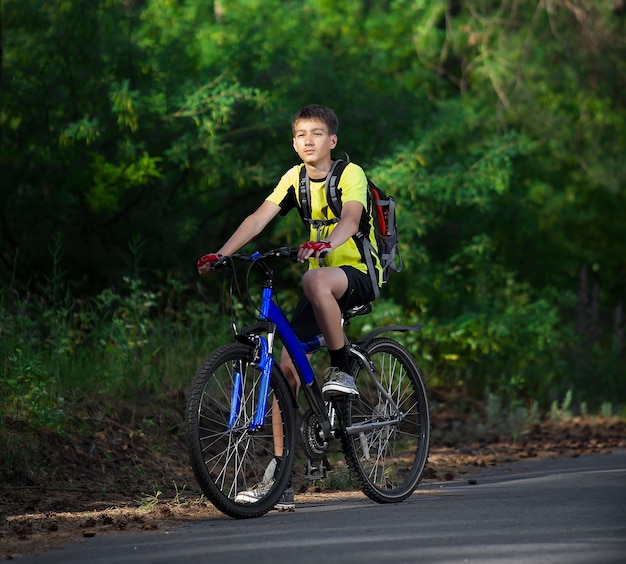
[134, 340]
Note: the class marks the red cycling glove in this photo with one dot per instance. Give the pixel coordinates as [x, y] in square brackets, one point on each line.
[317, 246]
[208, 259]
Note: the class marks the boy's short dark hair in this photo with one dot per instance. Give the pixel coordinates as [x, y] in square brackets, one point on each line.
[321, 113]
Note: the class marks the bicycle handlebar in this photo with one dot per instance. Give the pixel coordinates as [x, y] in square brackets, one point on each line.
[290, 253]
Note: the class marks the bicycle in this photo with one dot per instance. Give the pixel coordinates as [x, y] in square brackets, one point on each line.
[233, 428]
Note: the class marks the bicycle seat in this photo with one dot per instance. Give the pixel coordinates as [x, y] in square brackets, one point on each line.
[358, 310]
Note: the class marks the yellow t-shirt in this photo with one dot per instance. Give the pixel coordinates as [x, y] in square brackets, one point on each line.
[353, 187]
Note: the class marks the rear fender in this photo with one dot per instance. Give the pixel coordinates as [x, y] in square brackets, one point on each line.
[365, 339]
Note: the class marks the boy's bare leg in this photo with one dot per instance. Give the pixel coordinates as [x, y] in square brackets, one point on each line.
[289, 370]
[323, 287]
[277, 429]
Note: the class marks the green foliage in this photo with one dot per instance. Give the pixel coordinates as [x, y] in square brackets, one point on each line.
[126, 345]
[119, 344]
[136, 135]
[29, 392]
[563, 410]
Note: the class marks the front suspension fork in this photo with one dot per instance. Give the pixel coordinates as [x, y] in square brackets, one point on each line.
[264, 362]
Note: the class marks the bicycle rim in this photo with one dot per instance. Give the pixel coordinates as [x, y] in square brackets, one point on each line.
[226, 456]
[388, 461]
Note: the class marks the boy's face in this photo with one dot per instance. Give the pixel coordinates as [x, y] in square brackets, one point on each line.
[312, 141]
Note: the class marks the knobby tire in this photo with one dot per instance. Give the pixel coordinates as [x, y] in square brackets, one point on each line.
[227, 461]
[388, 461]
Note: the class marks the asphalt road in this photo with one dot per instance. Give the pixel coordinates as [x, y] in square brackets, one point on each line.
[570, 510]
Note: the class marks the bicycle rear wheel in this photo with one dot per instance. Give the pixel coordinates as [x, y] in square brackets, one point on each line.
[228, 457]
[387, 459]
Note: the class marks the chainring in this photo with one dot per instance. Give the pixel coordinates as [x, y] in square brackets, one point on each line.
[314, 445]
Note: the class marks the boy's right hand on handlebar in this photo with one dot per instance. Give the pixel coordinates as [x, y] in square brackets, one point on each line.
[206, 261]
[317, 248]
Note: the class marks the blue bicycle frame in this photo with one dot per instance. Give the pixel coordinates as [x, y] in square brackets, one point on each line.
[273, 320]
[277, 322]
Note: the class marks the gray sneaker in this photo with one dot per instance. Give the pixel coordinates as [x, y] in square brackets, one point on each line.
[255, 493]
[259, 491]
[286, 501]
[338, 383]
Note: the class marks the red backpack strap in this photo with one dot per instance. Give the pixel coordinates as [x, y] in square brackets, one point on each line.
[379, 210]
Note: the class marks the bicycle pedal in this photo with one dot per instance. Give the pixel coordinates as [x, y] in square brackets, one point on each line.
[315, 472]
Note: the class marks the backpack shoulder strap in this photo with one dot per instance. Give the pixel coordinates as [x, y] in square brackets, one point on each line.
[305, 195]
[333, 192]
[333, 195]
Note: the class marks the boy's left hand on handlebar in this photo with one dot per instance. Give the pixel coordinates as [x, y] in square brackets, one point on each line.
[318, 248]
[206, 261]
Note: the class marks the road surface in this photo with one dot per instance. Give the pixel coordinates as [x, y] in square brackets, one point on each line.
[569, 510]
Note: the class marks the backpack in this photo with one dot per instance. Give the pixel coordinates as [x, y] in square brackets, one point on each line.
[381, 207]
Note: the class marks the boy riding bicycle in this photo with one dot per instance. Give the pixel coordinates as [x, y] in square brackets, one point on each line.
[332, 284]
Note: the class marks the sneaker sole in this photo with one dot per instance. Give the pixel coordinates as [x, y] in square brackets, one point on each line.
[333, 393]
[247, 499]
[285, 509]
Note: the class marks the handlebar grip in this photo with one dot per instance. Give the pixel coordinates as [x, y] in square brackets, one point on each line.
[221, 262]
[292, 254]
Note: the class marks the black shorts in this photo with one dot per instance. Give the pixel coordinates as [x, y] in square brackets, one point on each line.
[359, 292]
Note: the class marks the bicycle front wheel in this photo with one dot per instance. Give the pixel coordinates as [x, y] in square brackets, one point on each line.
[387, 434]
[235, 464]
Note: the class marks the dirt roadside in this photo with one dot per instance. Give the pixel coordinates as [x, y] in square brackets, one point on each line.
[120, 474]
